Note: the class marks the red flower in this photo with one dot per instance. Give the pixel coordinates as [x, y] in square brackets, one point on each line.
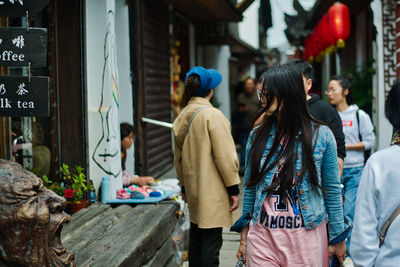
[68, 193]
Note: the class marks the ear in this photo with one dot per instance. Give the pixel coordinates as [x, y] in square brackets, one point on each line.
[346, 91]
[309, 84]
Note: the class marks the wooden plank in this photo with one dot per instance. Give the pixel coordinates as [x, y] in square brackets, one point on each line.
[72, 92]
[156, 87]
[80, 218]
[133, 239]
[163, 254]
[94, 228]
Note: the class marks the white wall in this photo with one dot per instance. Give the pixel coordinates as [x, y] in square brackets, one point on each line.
[360, 34]
[383, 127]
[103, 123]
[124, 70]
[248, 27]
[217, 57]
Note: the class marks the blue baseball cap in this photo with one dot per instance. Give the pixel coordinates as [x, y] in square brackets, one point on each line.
[209, 78]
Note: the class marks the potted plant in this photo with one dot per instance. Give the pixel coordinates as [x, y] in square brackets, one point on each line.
[72, 187]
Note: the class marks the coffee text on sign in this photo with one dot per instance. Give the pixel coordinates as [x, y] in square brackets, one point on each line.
[11, 56]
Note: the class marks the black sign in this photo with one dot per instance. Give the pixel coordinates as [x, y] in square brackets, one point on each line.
[19, 47]
[18, 8]
[21, 98]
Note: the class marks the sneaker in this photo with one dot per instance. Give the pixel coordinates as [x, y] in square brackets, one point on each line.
[348, 262]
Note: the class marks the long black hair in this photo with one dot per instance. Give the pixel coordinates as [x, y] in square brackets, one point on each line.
[345, 82]
[293, 126]
[126, 129]
[392, 106]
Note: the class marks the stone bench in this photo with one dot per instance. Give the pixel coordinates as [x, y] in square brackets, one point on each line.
[124, 235]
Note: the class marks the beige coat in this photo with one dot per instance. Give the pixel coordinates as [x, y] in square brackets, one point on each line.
[209, 163]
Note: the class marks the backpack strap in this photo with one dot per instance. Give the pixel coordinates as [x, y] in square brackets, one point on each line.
[188, 126]
[385, 227]
[358, 124]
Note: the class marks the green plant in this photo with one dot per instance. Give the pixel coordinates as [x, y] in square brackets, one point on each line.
[72, 185]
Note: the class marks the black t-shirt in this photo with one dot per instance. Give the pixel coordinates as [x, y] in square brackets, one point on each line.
[325, 113]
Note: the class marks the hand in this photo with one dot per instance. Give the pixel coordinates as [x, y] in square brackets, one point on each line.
[148, 179]
[234, 202]
[341, 163]
[339, 250]
[144, 180]
[241, 252]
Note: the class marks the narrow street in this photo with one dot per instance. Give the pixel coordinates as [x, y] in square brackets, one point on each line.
[99, 97]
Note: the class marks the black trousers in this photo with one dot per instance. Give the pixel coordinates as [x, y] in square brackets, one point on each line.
[204, 246]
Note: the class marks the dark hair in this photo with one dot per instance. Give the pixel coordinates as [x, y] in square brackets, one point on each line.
[345, 82]
[392, 106]
[192, 84]
[249, 78]
[294, 126]
[305, 67]
[126, 130]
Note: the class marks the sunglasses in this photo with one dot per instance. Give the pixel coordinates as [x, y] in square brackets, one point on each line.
[259, 94]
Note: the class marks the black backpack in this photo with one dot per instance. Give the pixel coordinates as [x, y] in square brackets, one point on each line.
[367, 153]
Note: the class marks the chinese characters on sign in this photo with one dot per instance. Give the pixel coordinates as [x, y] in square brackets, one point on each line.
[18, 41]
[20, 98]
[19, 47]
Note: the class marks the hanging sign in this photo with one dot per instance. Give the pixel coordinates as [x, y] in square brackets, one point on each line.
[18, 8]
[18, 47]
[21, 98]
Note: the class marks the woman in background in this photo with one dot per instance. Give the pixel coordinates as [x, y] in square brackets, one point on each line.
[359, 136]
[127, 137]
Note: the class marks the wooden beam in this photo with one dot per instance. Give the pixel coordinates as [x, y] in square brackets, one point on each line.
[243, 5]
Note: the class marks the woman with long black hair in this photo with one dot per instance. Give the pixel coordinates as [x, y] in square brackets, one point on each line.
[291, 182]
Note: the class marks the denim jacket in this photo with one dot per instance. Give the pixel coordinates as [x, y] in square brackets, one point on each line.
[315, 208]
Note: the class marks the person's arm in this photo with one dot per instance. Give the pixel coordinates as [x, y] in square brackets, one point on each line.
[225, 156]
[249, 193]
[364, 245]
[341, 164]
[241, 252]
[356, 147]
[224, 150]
[332, 198]
[366, 131]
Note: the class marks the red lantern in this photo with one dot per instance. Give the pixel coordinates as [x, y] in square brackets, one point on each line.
[329, 40]
[308, 53]
[339, 22]
[318, 44]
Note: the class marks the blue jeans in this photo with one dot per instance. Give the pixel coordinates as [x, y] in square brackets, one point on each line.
[350, 180]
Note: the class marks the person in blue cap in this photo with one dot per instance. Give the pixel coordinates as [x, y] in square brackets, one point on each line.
[207, 166]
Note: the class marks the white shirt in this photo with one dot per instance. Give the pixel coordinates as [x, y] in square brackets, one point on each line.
[378, 196]
[351, 132]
